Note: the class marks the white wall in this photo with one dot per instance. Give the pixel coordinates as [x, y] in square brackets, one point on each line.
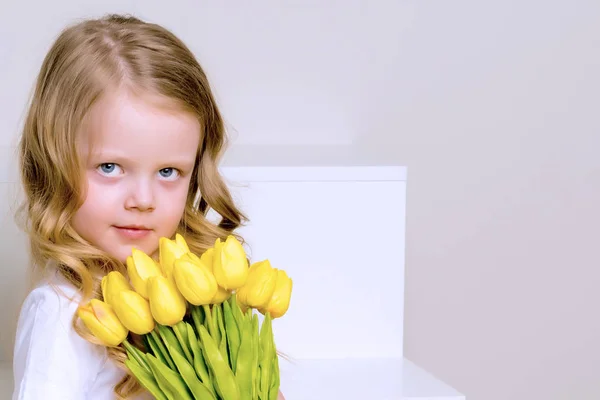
[493, 108]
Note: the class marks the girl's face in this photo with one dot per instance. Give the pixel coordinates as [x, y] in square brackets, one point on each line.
[139, 159]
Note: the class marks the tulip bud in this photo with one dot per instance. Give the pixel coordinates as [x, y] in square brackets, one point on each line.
[194, 280]
[166, 303]
[169, 252]
[140, 267]
[134, 312]
[207, 257]
[191, 257]
[222, 294]
[102, 322]
[260, 285]
[181, 242]
[230, 265]
[280, 300]
[112, 284]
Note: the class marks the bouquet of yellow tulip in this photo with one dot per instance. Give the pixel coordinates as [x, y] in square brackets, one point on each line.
[196, 316]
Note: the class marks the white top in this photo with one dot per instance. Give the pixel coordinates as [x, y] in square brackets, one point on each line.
[51, 361]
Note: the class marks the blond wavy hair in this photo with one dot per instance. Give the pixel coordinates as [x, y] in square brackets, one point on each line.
[86, 60]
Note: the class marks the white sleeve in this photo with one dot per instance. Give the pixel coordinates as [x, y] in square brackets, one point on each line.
[51, 361]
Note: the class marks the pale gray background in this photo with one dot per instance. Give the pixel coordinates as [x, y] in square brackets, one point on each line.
[493, 106]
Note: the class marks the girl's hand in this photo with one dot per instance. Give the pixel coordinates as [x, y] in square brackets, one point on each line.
[280, 396]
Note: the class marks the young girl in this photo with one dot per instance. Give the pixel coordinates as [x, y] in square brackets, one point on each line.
[120, 147]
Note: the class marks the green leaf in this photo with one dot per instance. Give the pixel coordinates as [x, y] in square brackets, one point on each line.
[199, 391]
[159, 349]
[256, 352]
[233, 334]
[224, 380]
[197, 317]
[236, 310]
[266, 359]
[136, 354]
[199, 363]
[245, 362]
[210, 324]
[275, 382]
[168, 380]
[146, 379]
[168, 337]
[218, 316]
[181, 335]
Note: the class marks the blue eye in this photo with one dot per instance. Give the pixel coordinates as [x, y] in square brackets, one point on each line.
[109, 169]
[169, 173]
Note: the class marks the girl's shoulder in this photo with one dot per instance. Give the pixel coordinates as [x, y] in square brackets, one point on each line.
[49, 355]
[50, 307]
[54, 291]
[55, 300]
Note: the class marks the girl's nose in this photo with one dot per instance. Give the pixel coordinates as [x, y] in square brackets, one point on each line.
[140, 196]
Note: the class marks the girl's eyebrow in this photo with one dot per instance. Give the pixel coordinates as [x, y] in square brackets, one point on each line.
[181, 161]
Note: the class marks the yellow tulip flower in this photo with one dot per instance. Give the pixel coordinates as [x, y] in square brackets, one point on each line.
[260, 285]
[112, 284]
[167, 305]
[194, 259]
[102, 322]
[222, 294]
[207, 257]
[280, 300]
[181, 242]
[169, 252]
[194, 280]
[140, 267]
[134, 312]
[230, 265]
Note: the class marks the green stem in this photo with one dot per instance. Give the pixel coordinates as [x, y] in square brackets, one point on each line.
[163, 350]
[196, 317]
[154, 349]
[135, 354]
[210, 321]
[184, 344]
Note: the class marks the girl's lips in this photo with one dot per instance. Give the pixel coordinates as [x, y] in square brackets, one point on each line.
[132, 232]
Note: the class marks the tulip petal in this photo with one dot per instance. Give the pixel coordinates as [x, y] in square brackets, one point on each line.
[230, 264]
[280, 300]
[112, 284]
[207, 258]
[108, 318]
[134, 312]
[166, 303]
[221, 295]
[195, 282]
[102, 322]
[181, 242]
[140, 267]
[260, 285]
[169, 252]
